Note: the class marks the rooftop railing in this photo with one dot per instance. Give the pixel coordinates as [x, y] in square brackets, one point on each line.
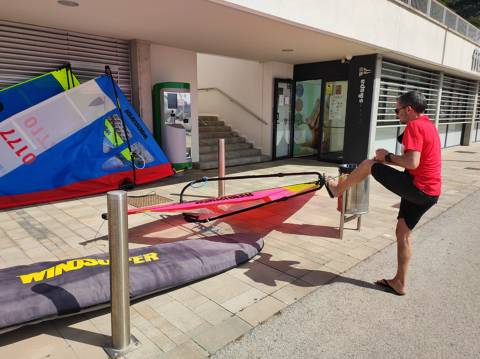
[444, 15]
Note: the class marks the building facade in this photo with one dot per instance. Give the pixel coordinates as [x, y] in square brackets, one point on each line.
[307, 78]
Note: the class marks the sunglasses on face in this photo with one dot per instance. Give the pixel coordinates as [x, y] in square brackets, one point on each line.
[397, 110]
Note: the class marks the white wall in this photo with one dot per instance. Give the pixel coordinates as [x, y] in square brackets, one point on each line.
[381, 23]
[177, 65]
[458, 52]
[248, 82]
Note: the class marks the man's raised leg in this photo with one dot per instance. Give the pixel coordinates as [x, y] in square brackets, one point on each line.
[357, 176]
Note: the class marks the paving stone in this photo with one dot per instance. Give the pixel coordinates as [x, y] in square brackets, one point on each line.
[189, 297]
[218, 336]
[212, 312]
[294, 291]
[146, 349]
[180, 316]
[362, 252]
[221, 288]
[83, 338]
[342, 265]
[157, 337]
[187, 350]
[43, 342]
[320, 277]
[6, 242]
[243, 300]
[171, 331]
[262, 277]
[261, 310]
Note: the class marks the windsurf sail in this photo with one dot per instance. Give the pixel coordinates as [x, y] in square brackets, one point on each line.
[215, 208]
[75, 144]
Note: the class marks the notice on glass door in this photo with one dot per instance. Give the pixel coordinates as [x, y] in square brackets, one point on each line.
[338, 104]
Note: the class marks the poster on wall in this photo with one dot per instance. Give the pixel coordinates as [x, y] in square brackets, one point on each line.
[307, 117]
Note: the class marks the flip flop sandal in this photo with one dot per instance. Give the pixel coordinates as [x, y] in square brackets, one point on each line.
[384, 284]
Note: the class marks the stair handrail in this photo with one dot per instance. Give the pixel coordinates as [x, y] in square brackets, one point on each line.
[245, 108]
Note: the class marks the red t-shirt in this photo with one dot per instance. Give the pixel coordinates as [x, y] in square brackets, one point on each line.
[421, 135]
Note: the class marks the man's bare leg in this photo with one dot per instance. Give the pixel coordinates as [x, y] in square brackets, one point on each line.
[357, 176]
[404, 253]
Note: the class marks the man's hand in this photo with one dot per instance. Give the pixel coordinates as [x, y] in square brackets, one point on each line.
[409, 160]
[380, 154]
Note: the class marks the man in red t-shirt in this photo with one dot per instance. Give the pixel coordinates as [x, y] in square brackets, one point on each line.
[419, 186]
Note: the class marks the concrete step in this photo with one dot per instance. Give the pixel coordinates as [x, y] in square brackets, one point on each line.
[228, 147]
[212, 141]
[208, 117]
[216, 135]
[237, 150]
[233, 162]
[209, 120]
[213, 156]
[214, 129]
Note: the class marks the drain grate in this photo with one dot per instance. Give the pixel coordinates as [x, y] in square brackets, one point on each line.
[470, 152]
[472, 168]
[147, 200]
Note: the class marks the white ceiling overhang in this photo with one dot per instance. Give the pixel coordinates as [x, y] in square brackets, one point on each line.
[196, 25]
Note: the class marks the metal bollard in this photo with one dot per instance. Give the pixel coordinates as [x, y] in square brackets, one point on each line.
[122, 341]
[221, 166]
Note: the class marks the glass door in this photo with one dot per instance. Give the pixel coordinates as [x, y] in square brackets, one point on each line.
[282, 118]
[333, 121]
[307, 117]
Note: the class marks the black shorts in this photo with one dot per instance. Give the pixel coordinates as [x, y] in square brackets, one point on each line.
[414, 202]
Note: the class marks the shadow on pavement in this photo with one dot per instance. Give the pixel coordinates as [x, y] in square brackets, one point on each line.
[317, 277]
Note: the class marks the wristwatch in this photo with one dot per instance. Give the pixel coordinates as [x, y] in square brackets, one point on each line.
[388, 157]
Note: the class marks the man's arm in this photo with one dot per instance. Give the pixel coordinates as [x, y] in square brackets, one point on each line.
[409, 160]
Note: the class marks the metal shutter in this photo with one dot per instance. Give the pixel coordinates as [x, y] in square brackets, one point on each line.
[396, 79]
[477, 113]
[28, 51]
[458, 97]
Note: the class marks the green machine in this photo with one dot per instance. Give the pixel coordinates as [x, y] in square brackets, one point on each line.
[172, 123]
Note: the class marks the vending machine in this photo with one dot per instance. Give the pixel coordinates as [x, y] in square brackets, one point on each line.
[172, 123]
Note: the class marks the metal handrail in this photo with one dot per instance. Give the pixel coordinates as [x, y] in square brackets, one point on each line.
[245, 108]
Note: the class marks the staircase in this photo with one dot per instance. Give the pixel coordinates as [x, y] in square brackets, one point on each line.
[237, 150]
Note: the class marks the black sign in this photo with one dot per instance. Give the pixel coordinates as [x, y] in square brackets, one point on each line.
[359, 108]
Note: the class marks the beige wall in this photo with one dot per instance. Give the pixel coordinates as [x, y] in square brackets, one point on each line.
[177, 65]
[248, 82]
[142, 81]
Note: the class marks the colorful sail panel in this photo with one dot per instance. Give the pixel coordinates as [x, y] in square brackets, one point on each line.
[74, 144]
[19, 97]
[220, 206]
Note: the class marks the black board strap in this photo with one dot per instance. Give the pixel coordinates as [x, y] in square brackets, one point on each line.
[132, 155]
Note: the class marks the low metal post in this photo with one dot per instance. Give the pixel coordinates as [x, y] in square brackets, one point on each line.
[221, 166]
[359, 222]
[342, 214]
[122, 341]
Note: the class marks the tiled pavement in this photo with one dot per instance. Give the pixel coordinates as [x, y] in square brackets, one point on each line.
[301, 253]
